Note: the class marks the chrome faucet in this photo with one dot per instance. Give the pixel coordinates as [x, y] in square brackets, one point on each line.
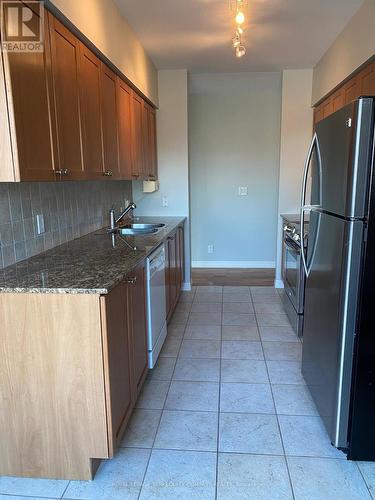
[115, 220]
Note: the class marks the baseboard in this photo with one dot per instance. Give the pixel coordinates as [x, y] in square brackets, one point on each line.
[279, 284]
[186, 287]
[242, 264]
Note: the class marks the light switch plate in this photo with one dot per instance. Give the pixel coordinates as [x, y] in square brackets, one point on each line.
[165, 201]
[242, 191]
[210, 249]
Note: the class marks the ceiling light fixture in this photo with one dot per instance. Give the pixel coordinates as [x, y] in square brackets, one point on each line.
[238, 7]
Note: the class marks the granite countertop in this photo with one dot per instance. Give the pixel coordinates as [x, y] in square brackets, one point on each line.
[94, 263]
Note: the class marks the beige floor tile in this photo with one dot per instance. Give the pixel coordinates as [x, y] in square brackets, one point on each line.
[246, 398]
[202, 370]
[203, 332]
[238, 307]
[244, 370]
[235, 319]
[240, 332]
[242, 350]
[202, 318]
[249, 433]
[200, 349]
[187, 430]
[179, 475]
[195, 396]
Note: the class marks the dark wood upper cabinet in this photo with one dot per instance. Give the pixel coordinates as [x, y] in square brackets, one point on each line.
[109, 123]
[137, 127]
[361, 84]
[124, 102]
[28, 85]
[351, 90]
[68, 116]
[65, 62]
[91, 113]
[338, 100]
[149, 142]
[367, 80]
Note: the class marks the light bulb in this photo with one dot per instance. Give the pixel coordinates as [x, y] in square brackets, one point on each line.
[236, 41]
[240, 17]
[240, 51]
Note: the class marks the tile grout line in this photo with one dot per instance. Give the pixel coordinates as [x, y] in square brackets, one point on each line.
[219, 399]
[66, 489]
[273, 399]
[165, 400]
[364, 479]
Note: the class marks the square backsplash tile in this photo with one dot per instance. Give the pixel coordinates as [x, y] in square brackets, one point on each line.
[70, 210]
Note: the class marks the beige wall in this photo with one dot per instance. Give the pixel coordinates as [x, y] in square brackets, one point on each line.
[354, 46]
[234, 140]
[173, 159]
[103, 24]
[296, 132]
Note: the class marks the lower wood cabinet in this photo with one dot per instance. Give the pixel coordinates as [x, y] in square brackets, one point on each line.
[71, 367]
[137, 301]
[174, 269]
[118, 369]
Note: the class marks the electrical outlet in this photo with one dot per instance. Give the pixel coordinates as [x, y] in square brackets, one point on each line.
[40, 229]
[165, 201]
[210, 249]
[242, 191]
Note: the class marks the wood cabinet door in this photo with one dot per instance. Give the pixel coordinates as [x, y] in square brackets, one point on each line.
[351, 89]
[31, 111]
[180, 258]
[318, 114]
[65, 60]
[124, 98]
[117, 362]
[327, 107]
[167, 280]
[338, 100]
[109, 123]
[90, 100]
[173, 275]
[137, 128]
[152, 139]
[367, 80]
[137, 293]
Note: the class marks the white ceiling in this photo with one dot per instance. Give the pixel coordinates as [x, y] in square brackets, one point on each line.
[196, 34]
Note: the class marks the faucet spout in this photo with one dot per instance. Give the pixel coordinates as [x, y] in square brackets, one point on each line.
[115, 220]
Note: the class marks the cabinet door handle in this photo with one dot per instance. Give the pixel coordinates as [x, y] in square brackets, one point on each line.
[132, 280]
[108, 173]
[66, 172]
[59, 172]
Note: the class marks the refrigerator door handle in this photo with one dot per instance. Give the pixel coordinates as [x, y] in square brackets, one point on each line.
[316, 237]
[314, 145]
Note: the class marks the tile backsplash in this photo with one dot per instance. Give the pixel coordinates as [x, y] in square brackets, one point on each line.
[70, 210]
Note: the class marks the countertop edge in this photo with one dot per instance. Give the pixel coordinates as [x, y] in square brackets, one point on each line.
[91, 291]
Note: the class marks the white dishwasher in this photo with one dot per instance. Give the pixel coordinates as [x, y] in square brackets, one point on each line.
[156, 304]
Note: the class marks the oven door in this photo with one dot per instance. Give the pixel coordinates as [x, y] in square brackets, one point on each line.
[292, 273]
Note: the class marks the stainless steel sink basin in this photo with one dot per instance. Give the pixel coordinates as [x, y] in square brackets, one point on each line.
[140, 229]
[142, 226]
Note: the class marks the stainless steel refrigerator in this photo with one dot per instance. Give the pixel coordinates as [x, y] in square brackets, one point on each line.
[338, 360]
